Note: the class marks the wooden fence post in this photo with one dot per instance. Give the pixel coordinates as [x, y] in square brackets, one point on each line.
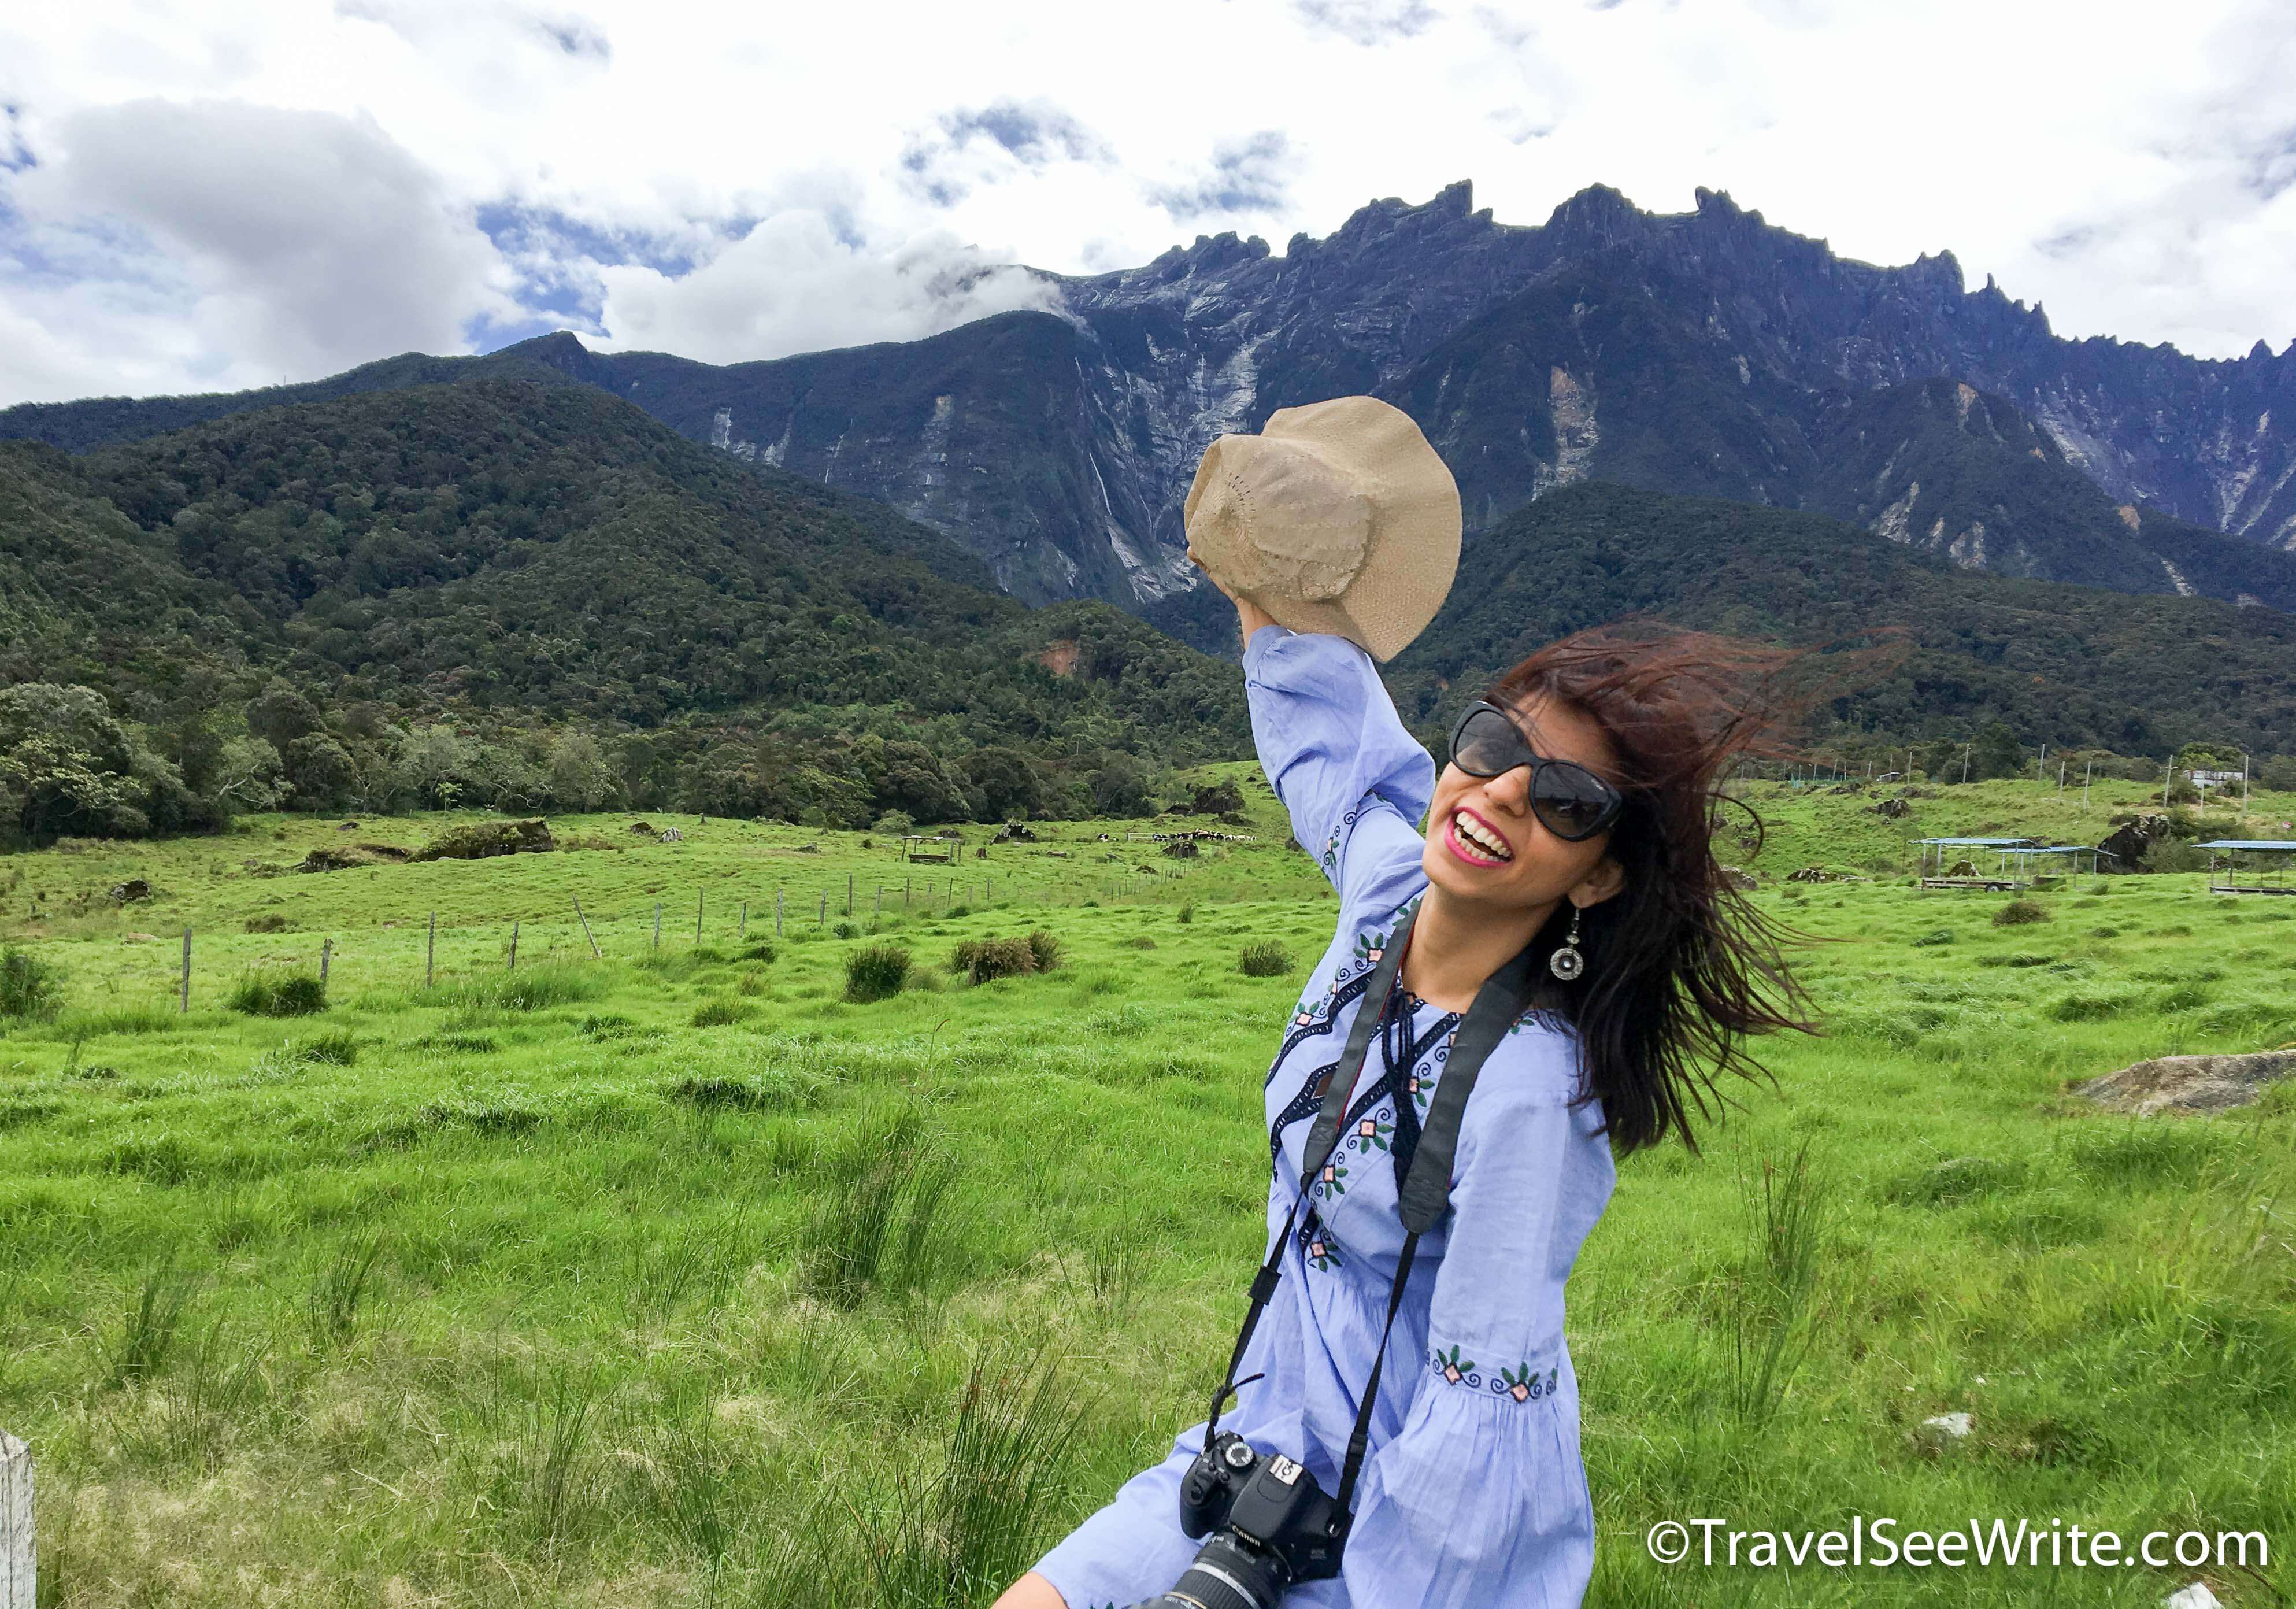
[777, 911]
[657, 926]
[18, 1558]
[596, 954]
[848, 893]
[326, 954]
[513, 947]
[184, 1001]
[821, 920]
[881, 899]
[431, 951]
[698, 899]
[744, 933]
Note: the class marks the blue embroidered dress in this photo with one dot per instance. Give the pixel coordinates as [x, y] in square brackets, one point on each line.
[1472, 1496]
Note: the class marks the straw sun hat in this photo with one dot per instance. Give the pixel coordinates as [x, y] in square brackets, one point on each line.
[1338, 517]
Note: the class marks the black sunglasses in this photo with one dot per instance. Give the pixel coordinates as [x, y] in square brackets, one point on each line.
[1569, 801]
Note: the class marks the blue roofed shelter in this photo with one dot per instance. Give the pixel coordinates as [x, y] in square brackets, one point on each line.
[1935, 861]
[2268, 865]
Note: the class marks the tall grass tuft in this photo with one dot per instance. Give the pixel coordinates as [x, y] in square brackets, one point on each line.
[531, 989]
[1045, 948]
[690, 1479]
[881, 1201]
[29, 986]
[211, 1396]
[149, 1328]
[1264, 959]
[1772, 1316]
[957, 1534]
[543, 1480]
[331, 1308]
[982, 960]
[876, 971]
[2020, 913]
[296, 994]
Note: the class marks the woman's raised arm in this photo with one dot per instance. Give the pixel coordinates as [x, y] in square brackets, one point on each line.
[1355, 781]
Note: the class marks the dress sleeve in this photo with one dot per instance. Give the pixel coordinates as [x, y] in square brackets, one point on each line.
[1133, 1548]
[1480, 1500]
[1355, 781]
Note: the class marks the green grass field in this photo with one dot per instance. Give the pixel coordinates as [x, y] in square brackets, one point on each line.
[675, 1278]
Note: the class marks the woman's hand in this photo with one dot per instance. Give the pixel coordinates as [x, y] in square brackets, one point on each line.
[1249, 617]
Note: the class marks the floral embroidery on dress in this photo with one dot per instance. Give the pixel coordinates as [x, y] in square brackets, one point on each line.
[1332, 1180]
[1524, 1383]
[1317, 1245]
[1371, 1133]
[1456, 1369]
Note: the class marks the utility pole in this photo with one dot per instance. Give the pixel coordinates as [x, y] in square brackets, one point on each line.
[1964, 762]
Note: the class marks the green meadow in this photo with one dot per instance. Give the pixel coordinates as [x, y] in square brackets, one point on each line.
[671, 1276]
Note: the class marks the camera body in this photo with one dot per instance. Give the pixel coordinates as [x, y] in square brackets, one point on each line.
[1269, 1525]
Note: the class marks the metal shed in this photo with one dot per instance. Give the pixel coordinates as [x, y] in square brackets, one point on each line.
[2224, 865]
[1934, 862]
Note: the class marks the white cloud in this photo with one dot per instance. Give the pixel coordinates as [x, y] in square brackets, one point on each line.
[266, 242]
[791, 286]
[732, 179]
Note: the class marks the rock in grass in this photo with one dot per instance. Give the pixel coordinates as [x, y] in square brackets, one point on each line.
[2189, 1083]
[2195, 1596]
[482, 839]
[1946, 1427]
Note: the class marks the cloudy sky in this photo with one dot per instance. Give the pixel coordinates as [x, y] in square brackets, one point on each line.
[207, 194]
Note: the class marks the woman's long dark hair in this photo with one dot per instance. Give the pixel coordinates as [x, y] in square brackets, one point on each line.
[1680, 967]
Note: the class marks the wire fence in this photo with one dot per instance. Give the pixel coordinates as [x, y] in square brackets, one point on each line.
[429, 947]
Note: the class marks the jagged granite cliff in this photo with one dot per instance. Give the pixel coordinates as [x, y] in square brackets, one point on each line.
[1704, 352]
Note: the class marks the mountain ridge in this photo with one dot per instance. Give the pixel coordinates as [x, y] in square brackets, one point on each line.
[1056, 447]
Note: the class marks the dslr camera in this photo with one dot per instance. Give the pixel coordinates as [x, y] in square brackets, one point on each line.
[1270, 1526]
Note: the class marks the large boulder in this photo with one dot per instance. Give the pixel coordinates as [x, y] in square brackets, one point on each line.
[2189, 1083]
[2128, 842]
[482, 839]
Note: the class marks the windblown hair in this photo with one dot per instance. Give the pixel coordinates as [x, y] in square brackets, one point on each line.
[1681, 968]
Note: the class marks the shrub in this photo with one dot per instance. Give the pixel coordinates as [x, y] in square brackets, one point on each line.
[272, 924]
[1188, 911]
[279, 994]
[2174, 855]
[337, 1049]
[2087, 1008]
[1264, 960]
[1142, 943]
[28, 986]
[1943, 935]
[761, 950]
[751, 983]
[530, 989]
[719, 1013]
[875, 972]
[1045, 948]
[2018, 913]
[845, 929]
[986, 959]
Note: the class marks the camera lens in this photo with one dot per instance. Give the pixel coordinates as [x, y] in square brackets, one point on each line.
[1228, 1575]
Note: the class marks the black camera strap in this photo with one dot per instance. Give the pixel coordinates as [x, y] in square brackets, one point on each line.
[1425, 1191]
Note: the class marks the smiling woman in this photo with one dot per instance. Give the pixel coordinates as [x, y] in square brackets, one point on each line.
[1556, 973]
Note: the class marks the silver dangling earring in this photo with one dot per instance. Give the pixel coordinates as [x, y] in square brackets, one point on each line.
[1567, 963]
